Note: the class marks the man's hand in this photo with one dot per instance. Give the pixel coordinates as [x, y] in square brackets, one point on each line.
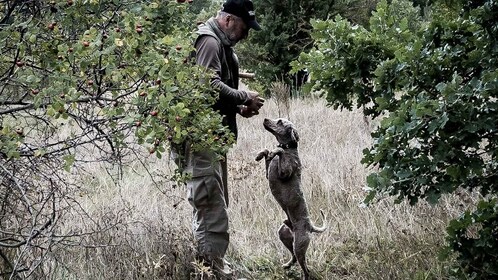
[255, 102]
[246, 112]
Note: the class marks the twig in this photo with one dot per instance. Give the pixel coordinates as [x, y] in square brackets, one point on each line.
[245, 75]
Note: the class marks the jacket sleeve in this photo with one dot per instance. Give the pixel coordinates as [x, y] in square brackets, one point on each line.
[208, 54]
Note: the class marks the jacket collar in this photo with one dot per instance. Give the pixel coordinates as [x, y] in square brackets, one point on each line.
[213, 24]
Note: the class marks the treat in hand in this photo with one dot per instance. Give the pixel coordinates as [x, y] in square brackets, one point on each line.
[255, 103]
[246, 112]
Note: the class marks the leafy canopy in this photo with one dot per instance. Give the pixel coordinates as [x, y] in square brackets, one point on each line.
[434, 81]
[86, 82]
[112, 67]
[286, 32]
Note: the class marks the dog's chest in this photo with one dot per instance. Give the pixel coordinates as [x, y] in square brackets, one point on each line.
[284, 178]
[285, 168]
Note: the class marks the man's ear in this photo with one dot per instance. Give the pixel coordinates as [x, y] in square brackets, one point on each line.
[228, 18]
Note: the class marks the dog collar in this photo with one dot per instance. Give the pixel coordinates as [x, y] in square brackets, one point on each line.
[291, 145]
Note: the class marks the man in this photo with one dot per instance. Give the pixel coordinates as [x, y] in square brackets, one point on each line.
[207, 190]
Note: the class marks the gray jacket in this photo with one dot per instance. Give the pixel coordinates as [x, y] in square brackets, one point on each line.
[214, 51]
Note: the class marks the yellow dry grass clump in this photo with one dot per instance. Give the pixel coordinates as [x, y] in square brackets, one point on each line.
[153, 241]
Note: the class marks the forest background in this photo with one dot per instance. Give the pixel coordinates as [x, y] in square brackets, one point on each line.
[395, 102]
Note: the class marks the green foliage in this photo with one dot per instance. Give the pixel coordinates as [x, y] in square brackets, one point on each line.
[436, 87]
[433, 81]
[475, 236]
[286, 33]
[113, 67]
[85, 81]
[345, 61]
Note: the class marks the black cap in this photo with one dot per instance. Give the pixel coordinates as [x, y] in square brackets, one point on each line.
[243, 9]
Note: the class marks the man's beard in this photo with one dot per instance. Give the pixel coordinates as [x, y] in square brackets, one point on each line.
[232, 37]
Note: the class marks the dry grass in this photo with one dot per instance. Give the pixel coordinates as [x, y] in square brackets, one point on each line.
[383, 241]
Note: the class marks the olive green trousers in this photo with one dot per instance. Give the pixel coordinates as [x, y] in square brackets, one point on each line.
[208, 194]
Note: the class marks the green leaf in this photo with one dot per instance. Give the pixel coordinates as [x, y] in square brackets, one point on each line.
[68, 161]
[453, 171]
[433, 197]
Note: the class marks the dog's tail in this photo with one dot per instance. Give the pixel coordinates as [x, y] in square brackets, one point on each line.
[324, 224]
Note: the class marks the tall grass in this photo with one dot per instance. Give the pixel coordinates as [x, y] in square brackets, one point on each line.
[152, 238]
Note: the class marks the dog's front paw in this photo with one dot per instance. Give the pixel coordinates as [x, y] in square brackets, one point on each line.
[276, 152]
[262, 154]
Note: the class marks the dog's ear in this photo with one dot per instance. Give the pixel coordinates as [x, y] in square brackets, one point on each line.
[294, 135]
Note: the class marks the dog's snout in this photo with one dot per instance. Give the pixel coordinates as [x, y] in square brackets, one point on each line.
[267, 123]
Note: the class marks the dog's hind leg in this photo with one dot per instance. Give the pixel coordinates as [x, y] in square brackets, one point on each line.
[286, 236]
[301, 243]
